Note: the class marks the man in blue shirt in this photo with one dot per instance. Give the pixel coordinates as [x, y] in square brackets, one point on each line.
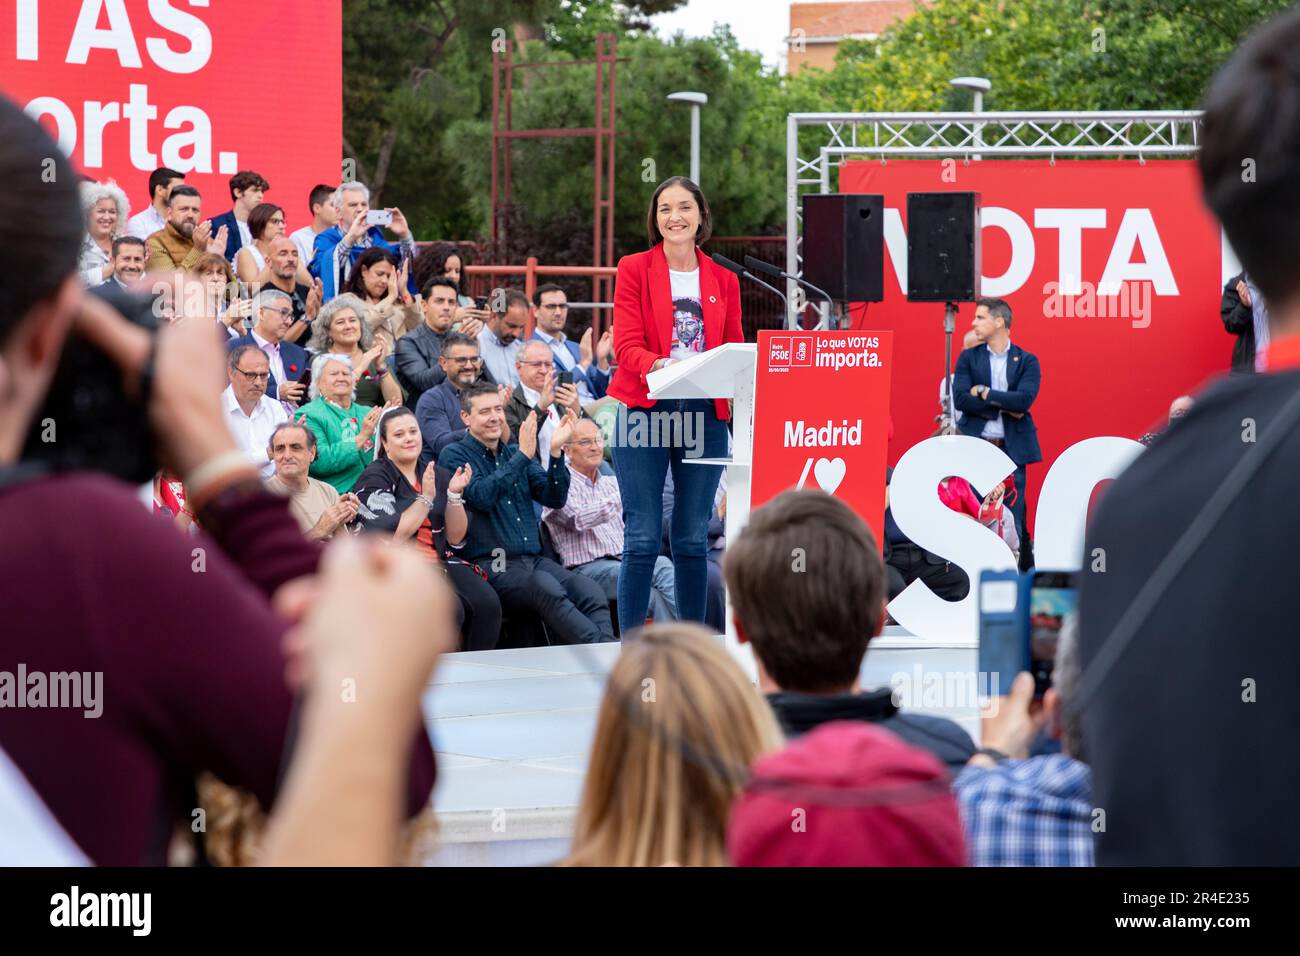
[338, 247]
[1019, 810]
[504, 537]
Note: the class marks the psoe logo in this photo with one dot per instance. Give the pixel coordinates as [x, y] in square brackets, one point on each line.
[802, 351]
[779, 352]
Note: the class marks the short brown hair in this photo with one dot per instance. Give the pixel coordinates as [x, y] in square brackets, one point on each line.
[807, 583]
[705, 228]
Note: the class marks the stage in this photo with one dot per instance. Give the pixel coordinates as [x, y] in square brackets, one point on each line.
[512, 729]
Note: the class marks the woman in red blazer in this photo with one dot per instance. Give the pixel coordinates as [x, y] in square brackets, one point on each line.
[671, 303]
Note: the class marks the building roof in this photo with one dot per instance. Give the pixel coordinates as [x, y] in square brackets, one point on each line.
[832, 21]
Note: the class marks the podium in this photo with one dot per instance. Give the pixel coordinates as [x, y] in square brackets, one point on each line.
[723, 372]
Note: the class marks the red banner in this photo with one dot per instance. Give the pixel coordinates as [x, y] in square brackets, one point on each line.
[207, 88]
[1112, 270]
[821, 417]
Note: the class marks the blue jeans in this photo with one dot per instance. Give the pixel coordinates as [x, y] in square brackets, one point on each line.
[647, 442]
[663, 601]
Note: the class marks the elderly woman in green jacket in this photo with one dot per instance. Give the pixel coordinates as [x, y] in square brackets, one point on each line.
[343, 428]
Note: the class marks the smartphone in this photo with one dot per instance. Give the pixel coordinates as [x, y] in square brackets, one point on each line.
[480, 302]
[1051, 596]
[566, 378]
[1002, 651]
[306, 381]
[379, 217]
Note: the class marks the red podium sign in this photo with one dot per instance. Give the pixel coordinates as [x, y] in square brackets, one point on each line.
[821, 417]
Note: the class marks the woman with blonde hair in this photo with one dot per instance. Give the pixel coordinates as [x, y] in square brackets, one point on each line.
[106, 209]
[678, 729]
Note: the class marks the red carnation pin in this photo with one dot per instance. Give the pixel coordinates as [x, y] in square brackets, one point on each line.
[293, 368]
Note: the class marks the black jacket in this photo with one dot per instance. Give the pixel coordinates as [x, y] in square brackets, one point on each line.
[1239, 321]
[800, 713]
[1191, 734]
[385, 494]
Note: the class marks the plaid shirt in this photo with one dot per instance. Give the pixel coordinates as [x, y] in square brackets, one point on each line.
[500, 496]
[1035, 812]
[590, 525]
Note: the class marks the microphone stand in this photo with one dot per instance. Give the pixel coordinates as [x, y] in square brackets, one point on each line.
[741, 271]
[768, 269]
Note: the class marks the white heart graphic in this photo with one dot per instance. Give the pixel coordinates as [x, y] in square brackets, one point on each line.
[829, 472]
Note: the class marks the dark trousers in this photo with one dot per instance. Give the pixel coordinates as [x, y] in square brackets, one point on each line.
[907, 562]
[572, 605]
[1019, 510]
[478, 609]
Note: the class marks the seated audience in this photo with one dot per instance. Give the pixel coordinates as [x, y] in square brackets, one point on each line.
[551, 313]
[339, 247]
[379, 280]
[154, 216]
[810, 630]
[274, 315]
[323, 216]
[847, 794]
[338, 329]
[504, 535]
[220, 303]
[251, 415]
[715, 594]
[538, 395]
[427, 507]
[1022, 810]
[183, 241]
[283, 271]
[678, 728]
[127, 261]
[588, 530]
[265, 223]
[344, 428]
[319, 510]
[445, 259]
[438, 409]
[246, 191]
[500, 340]
[105, 208]
[417, 354]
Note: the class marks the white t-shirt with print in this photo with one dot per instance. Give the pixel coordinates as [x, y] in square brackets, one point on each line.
[688, 315]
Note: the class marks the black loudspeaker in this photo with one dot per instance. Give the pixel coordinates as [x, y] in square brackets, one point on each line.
[843, 243]
[943, 247]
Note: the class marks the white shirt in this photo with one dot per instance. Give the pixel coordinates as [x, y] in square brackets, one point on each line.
[998, 374]
[145, 223]
[252, 433]
[273, 356]
[943, 397]
[245, 234]
[29, 834]
[305, 240]
[567, 363]
[548, 427]
[500, 359]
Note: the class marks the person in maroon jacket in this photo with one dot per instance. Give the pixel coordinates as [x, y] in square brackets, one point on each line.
[671, 303]
[176, 632]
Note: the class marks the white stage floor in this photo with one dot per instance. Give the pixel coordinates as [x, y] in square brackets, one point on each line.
[512, 730]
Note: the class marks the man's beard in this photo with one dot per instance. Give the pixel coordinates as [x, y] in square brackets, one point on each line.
[186, 229]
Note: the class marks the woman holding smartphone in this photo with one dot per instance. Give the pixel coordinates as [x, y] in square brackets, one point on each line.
[671, 303]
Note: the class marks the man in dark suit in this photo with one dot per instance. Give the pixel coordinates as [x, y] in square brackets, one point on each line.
[994, 386]
[273, 311]
[246, 190]
[1188, 638]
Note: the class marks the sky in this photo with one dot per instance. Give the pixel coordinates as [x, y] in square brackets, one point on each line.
[759, 25]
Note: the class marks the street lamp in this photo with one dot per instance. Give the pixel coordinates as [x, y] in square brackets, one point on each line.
[978, 86]
[696, 100]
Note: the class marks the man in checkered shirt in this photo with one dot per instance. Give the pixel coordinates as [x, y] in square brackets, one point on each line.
[1019, 810]
[588, 530]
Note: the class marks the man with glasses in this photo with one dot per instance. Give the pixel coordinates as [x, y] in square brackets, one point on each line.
[550, 314]
[417, 354]
[537, 394]
[250, 415]
[588, 531]
[273, 311]
[438, 410]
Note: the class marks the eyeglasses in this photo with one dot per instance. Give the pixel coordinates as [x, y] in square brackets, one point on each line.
[542, 362]
[556, 306]
[254, 376]
[463, 361]
[587, 442]
[282, 313]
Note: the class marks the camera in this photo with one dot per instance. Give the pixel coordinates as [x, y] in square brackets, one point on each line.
[88, 422]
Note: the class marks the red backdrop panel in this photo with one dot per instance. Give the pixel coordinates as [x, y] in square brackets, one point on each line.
[1100, 375]
[204, 87]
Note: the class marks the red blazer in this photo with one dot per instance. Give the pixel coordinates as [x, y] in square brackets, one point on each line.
[643, 319]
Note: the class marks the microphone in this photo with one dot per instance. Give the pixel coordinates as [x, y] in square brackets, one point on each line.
[740, 270]
[769, 269]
